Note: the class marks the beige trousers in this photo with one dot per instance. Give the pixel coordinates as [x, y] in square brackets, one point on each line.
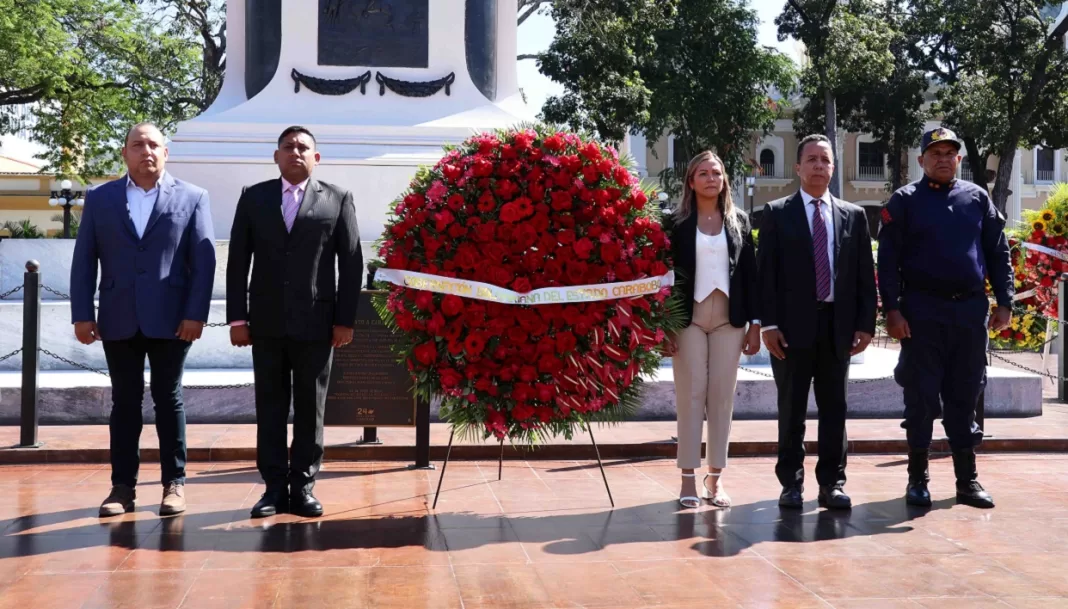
[706, 374]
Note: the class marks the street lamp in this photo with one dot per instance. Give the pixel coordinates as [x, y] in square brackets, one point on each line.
[66, 198]
[750, 181]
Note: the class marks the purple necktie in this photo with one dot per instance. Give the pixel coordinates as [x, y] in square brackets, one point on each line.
[819, 251]
[290, 207]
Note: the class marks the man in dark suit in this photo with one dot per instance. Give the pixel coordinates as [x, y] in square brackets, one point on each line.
[292, 313]
[151, 236]
[818, 285]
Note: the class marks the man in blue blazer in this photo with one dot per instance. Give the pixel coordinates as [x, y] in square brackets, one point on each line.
[152, 237]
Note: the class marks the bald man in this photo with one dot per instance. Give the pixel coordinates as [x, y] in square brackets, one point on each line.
[151, 238]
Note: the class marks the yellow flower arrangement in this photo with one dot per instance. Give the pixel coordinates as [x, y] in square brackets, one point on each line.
[1038, 225]
[1047, 216]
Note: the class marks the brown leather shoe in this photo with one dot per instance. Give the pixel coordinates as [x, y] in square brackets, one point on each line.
[173, 499]
[119, 501]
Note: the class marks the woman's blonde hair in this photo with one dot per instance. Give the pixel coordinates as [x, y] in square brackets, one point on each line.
[688, 204]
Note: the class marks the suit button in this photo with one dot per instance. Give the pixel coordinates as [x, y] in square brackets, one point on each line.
[140, 249]
[140, 271]
[286, 282]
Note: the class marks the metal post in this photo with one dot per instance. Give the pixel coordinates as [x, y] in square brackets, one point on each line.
[500, 462]
[31, 356]
[422, 435]
[370, 436]
[597, 451]
[1062, 355]
[448, 453]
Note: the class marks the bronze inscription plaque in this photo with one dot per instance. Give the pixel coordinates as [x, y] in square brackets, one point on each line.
[368, 388]
[374, 33]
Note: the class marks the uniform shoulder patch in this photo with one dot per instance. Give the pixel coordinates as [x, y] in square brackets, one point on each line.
[885, 215]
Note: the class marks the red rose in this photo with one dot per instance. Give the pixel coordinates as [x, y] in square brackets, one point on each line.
[517, 335]
[522, 412]
[521, 285]
[494, 252]
[450, 378]
[424, 300]
[611, 252]
[510, 212]
[554, 143]
[565, 343]
[426, 353]
[550, 364]
[475, 344]
[506, 189]
[482, 168]
[486, 232]
[456, 231]
[525, 235]
[451, 172]
[443, 219]
[621, 176]
[583, 247]
[576, 272]
[452, 305]
[523, 140]
[415, 200]
[540, 222]
[501, 276]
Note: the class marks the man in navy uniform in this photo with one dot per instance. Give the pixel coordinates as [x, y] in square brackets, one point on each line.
[941, 238]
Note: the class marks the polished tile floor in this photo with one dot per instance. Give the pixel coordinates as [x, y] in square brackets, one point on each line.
[543, 536]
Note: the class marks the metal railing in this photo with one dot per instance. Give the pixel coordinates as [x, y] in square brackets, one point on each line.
[767, 170]
[870, 173]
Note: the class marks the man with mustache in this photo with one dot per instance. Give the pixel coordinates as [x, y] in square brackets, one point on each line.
[819, 305]
[293, 313]
[941, 238]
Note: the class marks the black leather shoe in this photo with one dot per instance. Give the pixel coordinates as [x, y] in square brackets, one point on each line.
[303, 503]
[916, 493]
[969, 491]
[975, 495]
[833, 498]
[274, 501]
[792, 497]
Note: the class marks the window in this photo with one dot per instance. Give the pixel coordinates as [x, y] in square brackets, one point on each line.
[680, 156]
[767, 163]
[1044, 164]
[966, 170]
[870, 161]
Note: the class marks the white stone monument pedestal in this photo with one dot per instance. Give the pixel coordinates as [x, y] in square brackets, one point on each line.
[371, 142]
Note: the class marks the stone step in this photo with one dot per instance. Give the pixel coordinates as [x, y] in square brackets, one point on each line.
[77, 397]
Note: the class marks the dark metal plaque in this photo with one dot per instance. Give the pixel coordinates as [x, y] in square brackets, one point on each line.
[368, 388]
[374, 33]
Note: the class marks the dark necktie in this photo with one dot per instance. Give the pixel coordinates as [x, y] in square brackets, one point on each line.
[819, 251]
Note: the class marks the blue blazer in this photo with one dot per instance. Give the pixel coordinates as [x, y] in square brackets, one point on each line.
[150, 283]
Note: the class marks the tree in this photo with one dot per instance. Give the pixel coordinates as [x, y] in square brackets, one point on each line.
[202, 24]
[89, 68]
[692, 68]
[1004, 78]
[847, 44]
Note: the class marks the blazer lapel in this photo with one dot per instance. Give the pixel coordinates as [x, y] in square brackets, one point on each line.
[687, 235]
[841, 227]
[273, 210]
[166, 189]
[800, 214]
[124, 206]
[732, 251]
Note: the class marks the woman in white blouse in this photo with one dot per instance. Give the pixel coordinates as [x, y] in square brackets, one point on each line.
[714, 254]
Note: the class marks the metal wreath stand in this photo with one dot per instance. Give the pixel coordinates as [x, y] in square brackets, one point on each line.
[500, 464]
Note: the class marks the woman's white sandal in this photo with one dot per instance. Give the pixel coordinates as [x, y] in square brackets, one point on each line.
[719, 498]
[690, 502]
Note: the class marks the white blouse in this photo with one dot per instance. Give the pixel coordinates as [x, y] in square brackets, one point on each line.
[713, 265]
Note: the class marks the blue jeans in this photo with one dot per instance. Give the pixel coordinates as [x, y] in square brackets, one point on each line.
[126, 364]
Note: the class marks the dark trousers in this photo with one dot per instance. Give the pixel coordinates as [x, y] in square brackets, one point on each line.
[942, 370]
[290, 370]
[126, 365]
[820, 367]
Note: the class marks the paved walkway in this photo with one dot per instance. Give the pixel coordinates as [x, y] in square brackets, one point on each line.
[542, 537]
[88, 443]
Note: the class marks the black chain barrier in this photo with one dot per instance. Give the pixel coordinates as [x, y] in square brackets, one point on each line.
[10, 292]
[11, 355]
[56, 292]
[105, 373]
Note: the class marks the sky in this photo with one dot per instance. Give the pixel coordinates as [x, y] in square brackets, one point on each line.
[537, 32]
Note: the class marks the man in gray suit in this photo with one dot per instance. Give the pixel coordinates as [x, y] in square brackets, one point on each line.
[296, 228]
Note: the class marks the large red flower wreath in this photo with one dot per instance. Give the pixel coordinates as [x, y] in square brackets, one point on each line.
[523, 210]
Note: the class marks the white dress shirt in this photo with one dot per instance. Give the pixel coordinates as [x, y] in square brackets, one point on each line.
[139, 203]
[713, 265]
[828, 221]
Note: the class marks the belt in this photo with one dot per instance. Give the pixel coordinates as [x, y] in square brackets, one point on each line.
[955, 296]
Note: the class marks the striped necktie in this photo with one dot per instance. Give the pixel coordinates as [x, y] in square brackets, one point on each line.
[290, 207]
[819, 251]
